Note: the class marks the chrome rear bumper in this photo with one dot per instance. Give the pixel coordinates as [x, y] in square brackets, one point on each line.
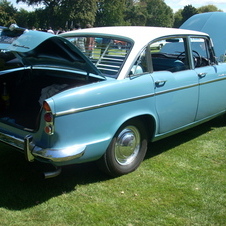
[32, 151]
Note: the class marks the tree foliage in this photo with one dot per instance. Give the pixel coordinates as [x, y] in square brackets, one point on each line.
[67, 13]
[188, 12]
[7, 13]
[208, 8]
[178, 18]
[158, 13]
[110, 12]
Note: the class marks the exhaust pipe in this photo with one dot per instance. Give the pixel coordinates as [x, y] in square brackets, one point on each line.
[52, 174]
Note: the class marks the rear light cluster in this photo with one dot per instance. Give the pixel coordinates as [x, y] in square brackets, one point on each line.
[48, 118]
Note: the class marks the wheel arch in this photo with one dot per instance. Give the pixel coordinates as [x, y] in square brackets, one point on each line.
[148, 121]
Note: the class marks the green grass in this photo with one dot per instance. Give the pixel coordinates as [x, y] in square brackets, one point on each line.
[182, 181]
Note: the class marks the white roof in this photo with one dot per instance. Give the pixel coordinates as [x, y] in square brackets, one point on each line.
[140, 35]
[136, 33]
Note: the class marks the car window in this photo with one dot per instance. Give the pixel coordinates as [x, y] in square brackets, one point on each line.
[108, 54]
[169, 55]
[140, 65]
[201, 52]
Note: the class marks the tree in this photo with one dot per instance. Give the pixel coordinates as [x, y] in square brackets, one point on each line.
[182, 15]
[50, 10]
[79, 11]
[178, 18]
[7, 13]
[47, 3]
[27, 19]
[110, 13]
[65, 13]
[134, 13]
[158, 13]
[208, 8]
[188, 12]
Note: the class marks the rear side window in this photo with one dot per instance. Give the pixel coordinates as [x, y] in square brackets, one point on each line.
[108, 54]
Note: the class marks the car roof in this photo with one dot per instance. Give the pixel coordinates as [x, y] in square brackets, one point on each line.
[136, 33]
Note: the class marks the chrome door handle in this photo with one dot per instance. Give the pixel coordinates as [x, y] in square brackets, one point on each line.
[160, 82]
[201, 75]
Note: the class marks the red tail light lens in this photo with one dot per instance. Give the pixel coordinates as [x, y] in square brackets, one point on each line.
[48, 117]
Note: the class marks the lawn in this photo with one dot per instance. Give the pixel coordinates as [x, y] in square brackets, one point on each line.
[182, 181]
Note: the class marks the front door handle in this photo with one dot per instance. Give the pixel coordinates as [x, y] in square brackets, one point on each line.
[159, 83]
[202, 75]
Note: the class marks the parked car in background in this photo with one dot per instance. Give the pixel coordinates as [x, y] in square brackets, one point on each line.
[62, 106]
[9, 34]
[158, 45]
[120, 44]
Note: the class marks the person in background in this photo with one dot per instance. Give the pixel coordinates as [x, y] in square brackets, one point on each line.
[79, 41]
[59, 31]
[89, 44]
[50, 30]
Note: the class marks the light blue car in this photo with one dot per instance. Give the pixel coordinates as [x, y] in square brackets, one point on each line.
[66, 100]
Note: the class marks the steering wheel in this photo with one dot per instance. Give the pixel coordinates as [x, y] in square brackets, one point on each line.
[196, 57]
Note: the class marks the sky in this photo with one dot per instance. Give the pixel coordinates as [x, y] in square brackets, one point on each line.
[180, 4]
[174, 4]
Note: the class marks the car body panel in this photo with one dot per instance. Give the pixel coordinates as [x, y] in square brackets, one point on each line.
[176, 94]
[212, 82]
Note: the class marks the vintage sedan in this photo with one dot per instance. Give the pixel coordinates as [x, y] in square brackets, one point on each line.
[63, 104]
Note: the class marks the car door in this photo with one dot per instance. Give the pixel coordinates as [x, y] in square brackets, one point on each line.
[212, 80]
[176, 86]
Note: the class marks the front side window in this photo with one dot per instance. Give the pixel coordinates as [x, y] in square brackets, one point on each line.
[107, 53]
[169, 55]
[201, 52]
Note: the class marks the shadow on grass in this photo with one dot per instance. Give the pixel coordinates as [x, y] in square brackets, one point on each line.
[22, 184]
[170, 142]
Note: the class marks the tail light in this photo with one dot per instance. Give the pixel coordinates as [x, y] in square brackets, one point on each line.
[48, 118]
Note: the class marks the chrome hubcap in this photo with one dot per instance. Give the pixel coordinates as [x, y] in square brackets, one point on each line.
[127, 145]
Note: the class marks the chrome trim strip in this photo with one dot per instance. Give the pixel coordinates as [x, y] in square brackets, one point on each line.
[176, 89]
[76, 110]
[214, 80]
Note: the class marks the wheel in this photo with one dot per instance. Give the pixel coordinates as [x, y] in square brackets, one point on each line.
[126, 150]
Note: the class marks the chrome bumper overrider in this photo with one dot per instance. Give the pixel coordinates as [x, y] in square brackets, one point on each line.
[31, 150]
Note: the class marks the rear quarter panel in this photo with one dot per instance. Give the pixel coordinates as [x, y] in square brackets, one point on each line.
[99, 110]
